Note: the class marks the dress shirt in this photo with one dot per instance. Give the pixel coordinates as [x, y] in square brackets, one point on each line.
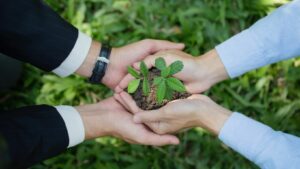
[274, 38]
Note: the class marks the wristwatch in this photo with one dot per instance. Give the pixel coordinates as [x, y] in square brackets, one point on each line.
[101, 64]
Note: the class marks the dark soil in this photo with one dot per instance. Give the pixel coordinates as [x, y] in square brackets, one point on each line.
[149, 102]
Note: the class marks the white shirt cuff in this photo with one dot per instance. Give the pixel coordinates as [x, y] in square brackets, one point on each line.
[245, 135]
[76, 56]
[73, 124]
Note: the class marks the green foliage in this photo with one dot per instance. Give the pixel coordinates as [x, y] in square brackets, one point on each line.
[133, 85]
[165, 84]
[165, 72]
[157, 80]
[160, 63]
[144, 69]
[176, 67]
[133, 72]
[270, 95]
[175, 84]
[146, 87]
[161, 91]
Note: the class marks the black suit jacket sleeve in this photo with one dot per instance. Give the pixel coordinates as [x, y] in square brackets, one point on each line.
[32, 32]
[31, 134]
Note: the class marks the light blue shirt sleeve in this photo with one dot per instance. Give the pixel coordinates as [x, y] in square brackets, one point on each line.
[259, 143]
[273, 38]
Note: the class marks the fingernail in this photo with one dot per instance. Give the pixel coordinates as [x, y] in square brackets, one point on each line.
[136, 64]
[136, 119]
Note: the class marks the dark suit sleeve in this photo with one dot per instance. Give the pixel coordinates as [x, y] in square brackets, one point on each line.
[30, 135]
[32, 32]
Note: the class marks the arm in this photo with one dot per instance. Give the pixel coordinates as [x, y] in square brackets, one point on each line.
[32, 134]
[34, 33]
[271, 39]
[259, 143]
[267, 148]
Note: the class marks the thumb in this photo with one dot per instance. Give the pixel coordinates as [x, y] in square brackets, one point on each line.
[147, 116]
[161, 140]
[165, 45]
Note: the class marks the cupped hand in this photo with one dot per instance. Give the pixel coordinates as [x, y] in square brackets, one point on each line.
[198, 74]
[195, 111]
[127, 55]
[109, 118]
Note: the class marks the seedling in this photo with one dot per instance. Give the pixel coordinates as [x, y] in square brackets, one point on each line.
[143, 76]
[165, 84]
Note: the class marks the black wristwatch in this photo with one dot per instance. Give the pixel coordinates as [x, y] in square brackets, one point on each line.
[101, 64]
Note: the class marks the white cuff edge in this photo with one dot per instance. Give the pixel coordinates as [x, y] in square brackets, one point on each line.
[74, 124]
[76, 56]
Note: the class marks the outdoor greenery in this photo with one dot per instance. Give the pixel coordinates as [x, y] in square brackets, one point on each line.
[270, 94]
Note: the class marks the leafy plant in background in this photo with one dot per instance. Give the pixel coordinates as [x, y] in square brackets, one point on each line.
[165, 84]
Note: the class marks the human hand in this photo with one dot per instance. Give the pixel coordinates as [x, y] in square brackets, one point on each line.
[109, 118]
[198, 74]
[122, 57]
[195, 111]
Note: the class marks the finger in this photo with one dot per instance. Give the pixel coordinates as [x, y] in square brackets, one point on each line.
[195, 96]
[158, 45]
[120, 100]
[148, 116]
[124, 83]
[149, 61]
[195, 88]
[128, 100]
[160, 140]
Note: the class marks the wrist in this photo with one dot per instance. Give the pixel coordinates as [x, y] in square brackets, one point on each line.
[95, 120]
[211, 65]
[213, 121]
[88, 65]
[112, 66]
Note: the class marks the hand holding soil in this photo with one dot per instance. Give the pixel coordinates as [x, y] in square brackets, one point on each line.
[152, 89]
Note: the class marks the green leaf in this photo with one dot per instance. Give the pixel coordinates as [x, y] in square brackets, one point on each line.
[160, 63]
[144, 69]
[165, 72]
[169, 94]
[146, 87]
[176, 67]
[133, 85]
[133, 72]
[157, 80]
[175, 84]
[161, 92]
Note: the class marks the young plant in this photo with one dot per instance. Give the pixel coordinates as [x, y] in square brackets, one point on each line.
[143, 76]
[165, 84]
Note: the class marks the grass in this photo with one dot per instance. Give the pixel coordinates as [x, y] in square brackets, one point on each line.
[270, 94]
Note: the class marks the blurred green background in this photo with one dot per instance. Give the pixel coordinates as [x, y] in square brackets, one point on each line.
[270, 94]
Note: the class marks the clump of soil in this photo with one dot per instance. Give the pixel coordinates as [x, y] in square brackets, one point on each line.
[149, 102]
